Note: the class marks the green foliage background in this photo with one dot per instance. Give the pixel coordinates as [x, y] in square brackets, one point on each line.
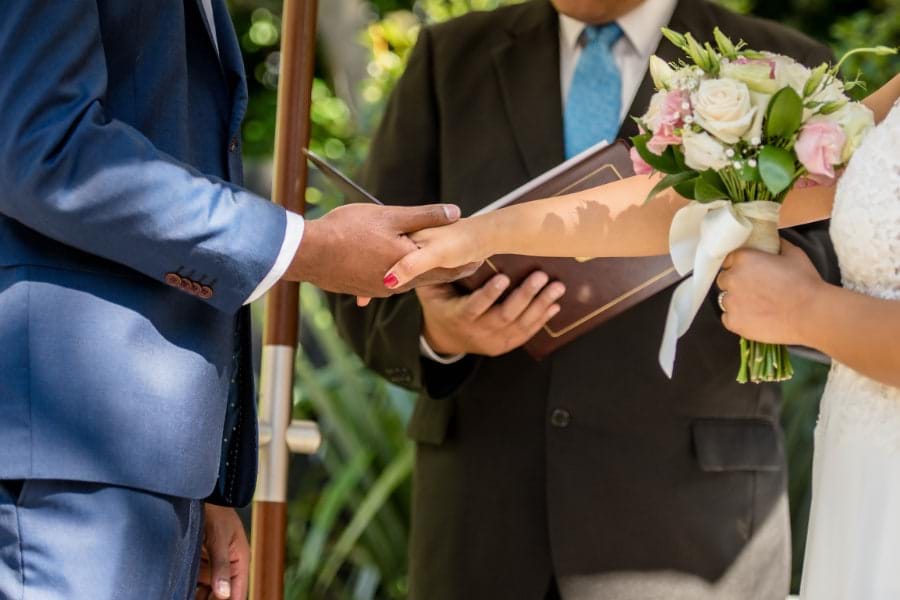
[351, 502]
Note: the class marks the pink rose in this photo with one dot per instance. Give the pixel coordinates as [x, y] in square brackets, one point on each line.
[640, 165]
[662, 139]
[819, 148]
[675, 107]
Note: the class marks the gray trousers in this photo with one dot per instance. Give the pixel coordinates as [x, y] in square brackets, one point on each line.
[761, 572]
[62, 540]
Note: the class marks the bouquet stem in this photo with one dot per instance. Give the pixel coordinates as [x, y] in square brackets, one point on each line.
[764, 363]
[760, 362]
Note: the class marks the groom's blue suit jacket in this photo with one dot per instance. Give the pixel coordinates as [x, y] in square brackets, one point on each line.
[127, 248]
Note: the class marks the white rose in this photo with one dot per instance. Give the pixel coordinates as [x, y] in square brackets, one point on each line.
[856, 120]
[661, 72]
[722, 107]
[789, 72]
[702, 151]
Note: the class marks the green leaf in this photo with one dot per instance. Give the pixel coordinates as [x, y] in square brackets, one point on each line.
[334, 500]
[664, 163]
[678, 155]
[709, 187]
[378, 494]
[785, 114]
[670, 181]
[686, 188]
[776, 168]
[748, 173]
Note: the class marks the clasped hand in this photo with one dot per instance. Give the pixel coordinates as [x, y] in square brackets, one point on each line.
[350, 249]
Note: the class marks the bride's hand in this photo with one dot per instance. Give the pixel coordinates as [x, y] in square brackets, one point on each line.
[448, 247]
[765, 297]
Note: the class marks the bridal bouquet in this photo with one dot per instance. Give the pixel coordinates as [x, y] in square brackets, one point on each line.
[733, 130]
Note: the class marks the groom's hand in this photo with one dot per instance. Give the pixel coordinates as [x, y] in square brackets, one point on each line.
[351, 248]
[478, 324]
[225, 556]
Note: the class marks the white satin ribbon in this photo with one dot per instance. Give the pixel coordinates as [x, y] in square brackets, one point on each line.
[701, 236]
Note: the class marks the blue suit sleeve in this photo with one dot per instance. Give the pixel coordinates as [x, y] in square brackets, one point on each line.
[74, 174]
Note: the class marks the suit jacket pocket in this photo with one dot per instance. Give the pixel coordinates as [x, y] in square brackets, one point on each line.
[430, 420]
[737, 445]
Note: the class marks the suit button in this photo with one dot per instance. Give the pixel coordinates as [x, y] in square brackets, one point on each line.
[196, 288]
[205, 292]
[173, 279]
[187, 285]
[560, 418]
[233, 144]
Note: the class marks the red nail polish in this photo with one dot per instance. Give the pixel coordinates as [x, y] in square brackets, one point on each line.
[391, 280]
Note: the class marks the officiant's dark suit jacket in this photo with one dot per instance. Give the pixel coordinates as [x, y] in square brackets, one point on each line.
[590, 461]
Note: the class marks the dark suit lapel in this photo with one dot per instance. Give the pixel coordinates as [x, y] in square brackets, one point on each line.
[232, 63]
[203, 18]
[527, 68]
[689, 15]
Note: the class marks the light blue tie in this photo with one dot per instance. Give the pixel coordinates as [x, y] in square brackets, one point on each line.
[595, 97]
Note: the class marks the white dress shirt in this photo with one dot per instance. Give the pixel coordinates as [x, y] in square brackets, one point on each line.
[642, 34]
[293, 226]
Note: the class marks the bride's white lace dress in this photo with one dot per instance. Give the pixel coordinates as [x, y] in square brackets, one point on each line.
[853, 547]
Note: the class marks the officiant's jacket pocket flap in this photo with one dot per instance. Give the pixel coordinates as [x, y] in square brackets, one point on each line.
[737, 445]
[430, 420]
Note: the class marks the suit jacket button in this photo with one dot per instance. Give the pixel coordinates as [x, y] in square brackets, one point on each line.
[187, 285]
[205, 292]
[173, 279]
[196, 288]
[560, 418]
[233, 144]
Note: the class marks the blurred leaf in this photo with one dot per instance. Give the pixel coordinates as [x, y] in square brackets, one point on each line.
[776, 168]
[784, 114]
[709, 187]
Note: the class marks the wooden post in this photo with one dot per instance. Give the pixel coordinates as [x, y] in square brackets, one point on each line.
[278, 435]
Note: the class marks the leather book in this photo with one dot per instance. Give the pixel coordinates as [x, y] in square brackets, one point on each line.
[597, 289]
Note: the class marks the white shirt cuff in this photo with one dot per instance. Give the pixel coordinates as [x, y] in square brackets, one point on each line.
[430, 354]
[293, 233]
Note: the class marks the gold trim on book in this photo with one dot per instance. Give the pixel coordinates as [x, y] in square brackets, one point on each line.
[569, 328]
[607, 306]
[588, 176]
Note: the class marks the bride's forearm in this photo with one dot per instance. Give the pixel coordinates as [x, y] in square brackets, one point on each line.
[612, 220]
[857, 330]
[881, 100]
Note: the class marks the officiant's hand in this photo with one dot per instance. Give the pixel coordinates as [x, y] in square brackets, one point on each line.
[477, 324]
[351, 248]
